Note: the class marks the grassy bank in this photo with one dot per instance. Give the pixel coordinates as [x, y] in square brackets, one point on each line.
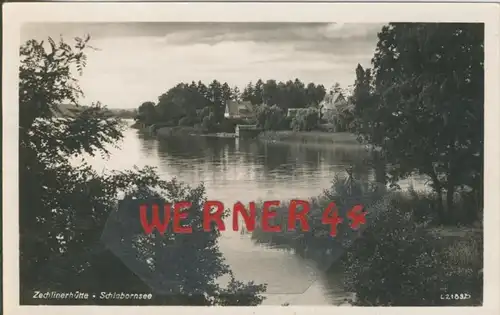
[398, 258]
[224, 129]
[177, 131]
[312, 137]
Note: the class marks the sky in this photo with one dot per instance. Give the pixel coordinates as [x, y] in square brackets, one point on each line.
[137, 62]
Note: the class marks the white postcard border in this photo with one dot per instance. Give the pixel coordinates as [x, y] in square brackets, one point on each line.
[15, 14]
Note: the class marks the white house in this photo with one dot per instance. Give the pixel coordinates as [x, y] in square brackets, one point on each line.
[331, 101]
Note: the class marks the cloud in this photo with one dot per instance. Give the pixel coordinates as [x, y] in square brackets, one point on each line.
[311, 36]
[139, 61]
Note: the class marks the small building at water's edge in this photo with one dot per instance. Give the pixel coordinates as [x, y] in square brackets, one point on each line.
[247, 131]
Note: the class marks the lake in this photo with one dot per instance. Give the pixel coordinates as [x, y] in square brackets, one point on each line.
[250, 170]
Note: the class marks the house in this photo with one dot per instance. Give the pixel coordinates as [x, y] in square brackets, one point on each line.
[331, 101]
[238, 109]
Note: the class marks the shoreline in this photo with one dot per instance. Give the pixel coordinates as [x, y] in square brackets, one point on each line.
[286, 136]
[310, 137]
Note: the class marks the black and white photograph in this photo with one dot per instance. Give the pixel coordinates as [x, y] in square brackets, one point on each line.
[385, 116]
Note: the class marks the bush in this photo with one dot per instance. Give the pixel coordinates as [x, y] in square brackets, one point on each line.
[317, 244]
[202, 113]
[185, 121]
[305, 120]
[271, 118]
[398, 262]
[421, 205]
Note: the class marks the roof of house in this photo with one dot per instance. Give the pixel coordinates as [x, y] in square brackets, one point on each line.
[332, 98]
[336, 101]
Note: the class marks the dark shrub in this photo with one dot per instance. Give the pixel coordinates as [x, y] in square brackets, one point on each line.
[185, 121]
[306, 119]
[398, 262]
[271, 117]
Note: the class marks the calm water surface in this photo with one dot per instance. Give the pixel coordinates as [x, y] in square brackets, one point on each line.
[236, 170]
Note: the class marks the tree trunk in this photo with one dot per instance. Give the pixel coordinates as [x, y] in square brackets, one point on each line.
[440, 206]
[439, 191]
[450, 191]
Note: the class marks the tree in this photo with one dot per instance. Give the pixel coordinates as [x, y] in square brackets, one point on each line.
[306, 119]
[236, 94]
[299, 98]
[147, 114]
[283, 102]
[270, 93]
[258, 90]
[209, 123]
[63, 208]
[181, 101]
[397, 262]
[428, 90]
[248, 93]
[216, 96]
[362, 99]
[171, 105]
[270, 117]
[315, 94]
[202, 89]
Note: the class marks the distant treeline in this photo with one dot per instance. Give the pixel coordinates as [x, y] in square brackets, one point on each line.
[70, 110]
[196, 103]
[124, 113]
[186, 100]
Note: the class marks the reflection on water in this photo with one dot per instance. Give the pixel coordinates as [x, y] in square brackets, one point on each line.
[249, 170]
[238, 170]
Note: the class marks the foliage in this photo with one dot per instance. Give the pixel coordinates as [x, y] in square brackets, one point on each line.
[45, 75]
[270, 117]
[63, 208]
[305, 120]
[317, 244]
[398, 262]
[180, 101]
[423, 102]
[341, 116]
[186, 101]
[290, 94]
[394, 260]
[194, 101]
[147, 113]
[209, 123]
[330, 117]
[186, 121]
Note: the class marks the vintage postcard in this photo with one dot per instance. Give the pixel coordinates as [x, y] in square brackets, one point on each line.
[256, 154]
